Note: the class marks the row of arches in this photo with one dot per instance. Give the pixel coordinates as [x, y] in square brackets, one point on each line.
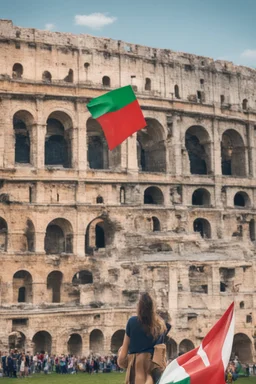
[42, 341]
[151, 146]
[23, 284]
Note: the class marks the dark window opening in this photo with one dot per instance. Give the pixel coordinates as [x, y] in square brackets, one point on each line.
[30, 194]
[252, 229]
[222, 99]
[156, 224]
[106, 81]
[248, 319]
[19, 322]
[197, 155]
[239, 200]
[100, 237]
[22, 149]
[3, 235]
[58, 198]
[203, 227]
[54, 240]
[47, 77]
[147, 84]
[201, 197]
[22, 295]
[188, 67]
[56, 151]
[122, 195]
[153, 195]
[222, 287]
[99, 200]
[96, 152]
[233, 154]
[17, 71]
[245, 104]
[241, 305]
[176, 91]
[202, 81]
[82, 277]
[54, 282]
[199, 96]
[86, 65]
[70, 77]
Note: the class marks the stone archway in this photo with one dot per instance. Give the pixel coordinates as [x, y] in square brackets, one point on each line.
[117, 340]
[186, 346]
[96, 341]
[242, 348]
[75, 344]
[42, 342]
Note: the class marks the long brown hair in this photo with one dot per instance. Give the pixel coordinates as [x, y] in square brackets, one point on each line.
[152, 323]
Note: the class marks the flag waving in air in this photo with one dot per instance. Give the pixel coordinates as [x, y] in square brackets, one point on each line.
[118, 113]
[208, 362]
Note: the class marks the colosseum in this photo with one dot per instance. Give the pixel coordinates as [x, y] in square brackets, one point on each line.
[171, 210]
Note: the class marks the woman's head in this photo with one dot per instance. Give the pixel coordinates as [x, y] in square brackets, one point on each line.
[151, 322]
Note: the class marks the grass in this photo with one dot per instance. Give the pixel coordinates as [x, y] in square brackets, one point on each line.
[81, 378]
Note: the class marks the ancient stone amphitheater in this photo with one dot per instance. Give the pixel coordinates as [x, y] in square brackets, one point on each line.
[171, 211]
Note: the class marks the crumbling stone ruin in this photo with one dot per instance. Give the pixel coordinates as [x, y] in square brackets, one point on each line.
[172, 210]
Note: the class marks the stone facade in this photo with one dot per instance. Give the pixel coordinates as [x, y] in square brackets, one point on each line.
[171, 211]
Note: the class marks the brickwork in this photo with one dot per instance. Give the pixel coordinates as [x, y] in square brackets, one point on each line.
[171, 211]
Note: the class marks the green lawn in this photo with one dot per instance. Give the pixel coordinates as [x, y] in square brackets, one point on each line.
[81, 378]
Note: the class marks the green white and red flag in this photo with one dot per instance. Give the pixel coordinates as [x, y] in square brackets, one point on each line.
[118, 113]
[208, 362]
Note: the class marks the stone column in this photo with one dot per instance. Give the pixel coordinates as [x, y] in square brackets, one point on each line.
[216, 148]
[82, 116]
[173, 288]
[8, 141]
[214, 303]
[251, 150]
[132, 162]
[39, 236]
[39, 146]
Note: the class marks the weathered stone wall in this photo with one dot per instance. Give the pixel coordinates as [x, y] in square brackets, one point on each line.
[172, 210]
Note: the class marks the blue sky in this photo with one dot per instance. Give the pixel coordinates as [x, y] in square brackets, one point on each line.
[222, 29]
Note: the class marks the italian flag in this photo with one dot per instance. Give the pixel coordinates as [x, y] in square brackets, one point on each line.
[118, 113]
[206, 364]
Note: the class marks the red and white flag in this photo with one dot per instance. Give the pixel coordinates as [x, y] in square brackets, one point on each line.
[208, 362]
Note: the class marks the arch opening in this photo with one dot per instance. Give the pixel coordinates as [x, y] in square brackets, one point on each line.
[97, 235]
[54, 285]
[97, 148]
[82, 277]
[186, 346]
[22, 287]
[241, 199]
[156, 224]
[22, 124]
[201, 197]
[47, 77]
[75, 344]
[233, 160]
[17, 71]
[96, 341]
[242, 348]
[203, 227]
[42, 342]
[59, 237]
[117, 340]
[252, 229]
[58, 140]
[151, 147]
[197, 142]
[171, 349]
[176, 92]
[106, 81]
[153, 195]
[147, 84]
[17, 340]
[3, 235]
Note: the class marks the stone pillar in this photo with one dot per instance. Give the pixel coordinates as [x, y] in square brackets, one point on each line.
[174, 146]
[251, 150]
[40, 241]
[86, 344]
[74, 147]
[39, 146]
[132, 162]
[8, 142]
[214, 302]
[216, 148]
[173, 288]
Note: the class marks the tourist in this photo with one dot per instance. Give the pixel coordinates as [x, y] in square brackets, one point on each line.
[22, 365]
[143, 352]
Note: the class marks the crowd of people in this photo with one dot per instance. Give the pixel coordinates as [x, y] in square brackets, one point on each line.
[22, 364]
[236, 369]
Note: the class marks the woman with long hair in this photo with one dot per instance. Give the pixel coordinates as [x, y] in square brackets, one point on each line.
[143, 352]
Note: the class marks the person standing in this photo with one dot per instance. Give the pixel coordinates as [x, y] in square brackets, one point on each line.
[143, 351]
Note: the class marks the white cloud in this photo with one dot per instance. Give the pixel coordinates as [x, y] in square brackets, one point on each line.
[249, 54]
[49, 26]
[94, 20]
